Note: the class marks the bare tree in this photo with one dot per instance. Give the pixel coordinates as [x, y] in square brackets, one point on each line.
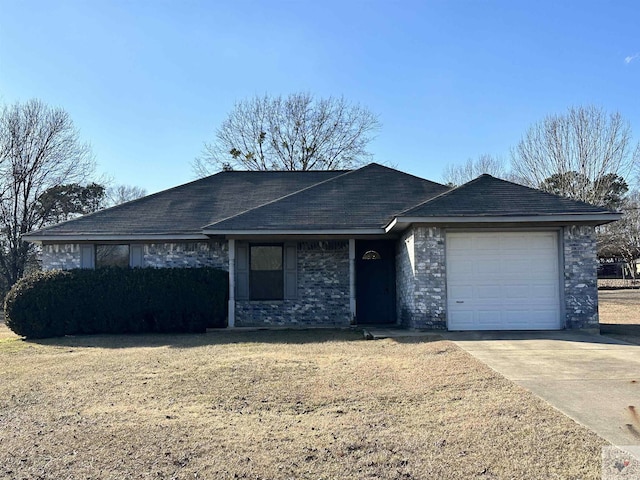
[39, 149]
[621, 239]
[297, 132]
[579, 150]
[123, 193]
[456, 175]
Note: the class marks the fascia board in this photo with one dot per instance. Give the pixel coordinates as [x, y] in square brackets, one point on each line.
[352, 231]
[566, 218]
[109, 238]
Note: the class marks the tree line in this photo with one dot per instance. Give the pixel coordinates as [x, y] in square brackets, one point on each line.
[47, 175]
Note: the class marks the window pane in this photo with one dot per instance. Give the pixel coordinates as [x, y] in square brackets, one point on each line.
[266, 280]
[371, 255]
[112, 256]
[267, 285]
[266, 258]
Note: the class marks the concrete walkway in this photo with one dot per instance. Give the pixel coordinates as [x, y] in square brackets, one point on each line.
[592, 379]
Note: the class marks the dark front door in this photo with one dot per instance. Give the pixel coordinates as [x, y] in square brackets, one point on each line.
[375, 282]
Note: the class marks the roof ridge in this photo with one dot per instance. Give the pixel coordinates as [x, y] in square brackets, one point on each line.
[275, 200]
[406, 173]
[437, 197]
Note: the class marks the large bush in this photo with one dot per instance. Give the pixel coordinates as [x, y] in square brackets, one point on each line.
[115, 300]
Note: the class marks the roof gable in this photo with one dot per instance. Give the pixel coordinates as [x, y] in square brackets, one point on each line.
[367, 198]
[490, 196]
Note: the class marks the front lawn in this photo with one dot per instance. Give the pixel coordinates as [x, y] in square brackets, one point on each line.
[619, 306]
[619, 312]
[318, 404]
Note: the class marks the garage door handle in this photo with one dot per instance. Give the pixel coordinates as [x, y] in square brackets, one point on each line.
[459, 301]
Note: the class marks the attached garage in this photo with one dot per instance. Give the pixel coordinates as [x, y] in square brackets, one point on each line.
[504, 280]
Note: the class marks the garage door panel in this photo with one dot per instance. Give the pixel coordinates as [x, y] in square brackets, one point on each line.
[464, 319]
[511, 243]
[503, 280]
[544, 292]
[542, 264]
[462, 243]
[488, 292]
[489, 319]
[515, 266]
[486, 243]
[518, 292]
[460, 268]
[461, 292]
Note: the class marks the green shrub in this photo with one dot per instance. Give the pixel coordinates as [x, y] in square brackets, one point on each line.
[115, 300]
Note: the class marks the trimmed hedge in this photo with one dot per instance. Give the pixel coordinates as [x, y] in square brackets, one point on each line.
[116, 300]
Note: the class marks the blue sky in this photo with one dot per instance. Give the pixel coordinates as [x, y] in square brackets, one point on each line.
[147, 82]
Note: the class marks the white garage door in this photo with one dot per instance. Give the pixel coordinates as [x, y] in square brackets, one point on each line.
[503, 281]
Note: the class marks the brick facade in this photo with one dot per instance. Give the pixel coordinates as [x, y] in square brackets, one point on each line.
[323, 278]
[322, 296]
[187, 255]
[580, 277]
[421, 278]
[64, 256]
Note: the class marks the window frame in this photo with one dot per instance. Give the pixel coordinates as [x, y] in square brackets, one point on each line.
[97, 246]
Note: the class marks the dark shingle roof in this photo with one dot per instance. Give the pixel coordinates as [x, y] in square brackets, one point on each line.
[187, 208]
[361, 199]
[490, 196]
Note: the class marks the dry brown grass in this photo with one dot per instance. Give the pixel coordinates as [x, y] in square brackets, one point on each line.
[620, 314]
[619, 306]
[273, 405]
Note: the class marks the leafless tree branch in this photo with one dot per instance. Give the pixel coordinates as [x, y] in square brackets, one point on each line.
[584, 146]
[297, 132]
[39, 149]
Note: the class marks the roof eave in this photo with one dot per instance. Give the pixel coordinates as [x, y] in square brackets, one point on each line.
[100, 237]
[400, 223]
[293, 231]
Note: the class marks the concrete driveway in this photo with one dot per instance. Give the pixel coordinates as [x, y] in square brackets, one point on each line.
[592, 379]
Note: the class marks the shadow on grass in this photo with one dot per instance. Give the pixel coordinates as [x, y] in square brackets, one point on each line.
[194, 340]
[620, 328]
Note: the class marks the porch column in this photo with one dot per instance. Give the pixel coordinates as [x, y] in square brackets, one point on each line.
[232, 283]
[352, 278]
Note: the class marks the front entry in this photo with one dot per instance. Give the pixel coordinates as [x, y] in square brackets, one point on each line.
[375, 282]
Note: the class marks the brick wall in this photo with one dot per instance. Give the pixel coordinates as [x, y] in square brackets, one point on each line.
[580, 277]
[421, 277]
[322, 294]
[187, 255]
[158, 255]
[60, 257]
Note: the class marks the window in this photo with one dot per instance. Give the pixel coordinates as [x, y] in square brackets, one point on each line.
[112, 256]
[266, 279]
[371, 255]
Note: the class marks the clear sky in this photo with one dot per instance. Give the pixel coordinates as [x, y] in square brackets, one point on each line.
[147, 82]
